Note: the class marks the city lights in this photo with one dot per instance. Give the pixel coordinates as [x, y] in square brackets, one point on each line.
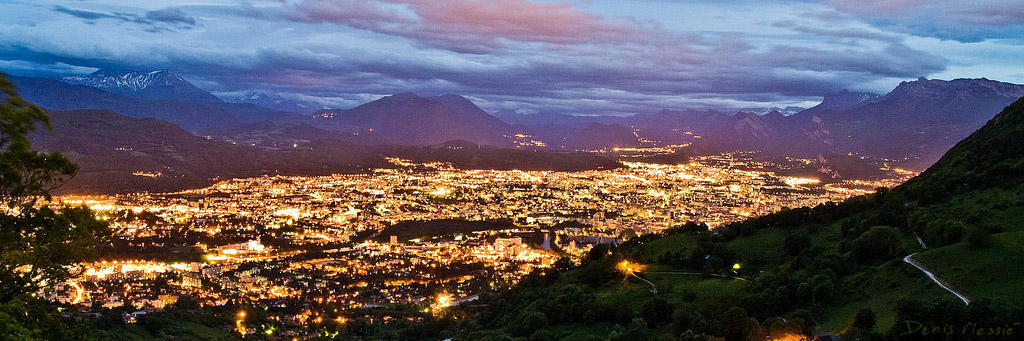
[329, 240]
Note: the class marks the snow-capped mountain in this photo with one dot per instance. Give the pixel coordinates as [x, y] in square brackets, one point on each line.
[158, 84]
[278, 102]
[787, 111]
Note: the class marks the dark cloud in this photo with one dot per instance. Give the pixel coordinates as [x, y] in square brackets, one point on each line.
[90, 15]
[154, 19]
[171, 15]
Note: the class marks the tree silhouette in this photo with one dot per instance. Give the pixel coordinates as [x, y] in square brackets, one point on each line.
[38, 244]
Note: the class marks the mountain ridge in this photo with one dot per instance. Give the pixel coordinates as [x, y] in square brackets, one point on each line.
[158, 84]
[407, 118]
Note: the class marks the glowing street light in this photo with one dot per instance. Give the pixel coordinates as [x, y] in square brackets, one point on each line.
[627, 268]
[239, 327]
[630, 269]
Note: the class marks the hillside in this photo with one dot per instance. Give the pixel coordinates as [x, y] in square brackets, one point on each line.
[123, 154]
[841, 268]
[120, 154]
[408, 119]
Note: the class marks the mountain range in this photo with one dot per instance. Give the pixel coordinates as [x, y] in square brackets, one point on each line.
[914, 124]
[918, 121]
[120, 154]
[191, 115]
[278, 102]
[911, 126]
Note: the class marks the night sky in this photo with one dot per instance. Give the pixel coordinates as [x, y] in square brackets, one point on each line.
[578, 57]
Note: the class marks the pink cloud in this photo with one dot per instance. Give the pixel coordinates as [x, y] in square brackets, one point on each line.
[359, 13]
[470, 25]
[879, 6]
[557, 23]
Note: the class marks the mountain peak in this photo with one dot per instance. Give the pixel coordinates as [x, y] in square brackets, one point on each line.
[407, 118]
[278, 102]
[960, 87]
[123, 79]
[404, 95]
[156, 84]
[260, 96]
[847, 99]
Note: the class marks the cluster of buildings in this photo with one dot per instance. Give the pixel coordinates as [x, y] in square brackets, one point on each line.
[313, 241]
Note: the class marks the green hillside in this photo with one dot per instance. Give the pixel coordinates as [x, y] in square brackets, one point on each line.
[836, 268]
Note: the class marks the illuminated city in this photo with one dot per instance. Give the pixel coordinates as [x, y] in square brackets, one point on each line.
[426, 235]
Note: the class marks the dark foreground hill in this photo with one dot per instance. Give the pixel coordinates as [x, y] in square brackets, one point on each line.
[840, 268]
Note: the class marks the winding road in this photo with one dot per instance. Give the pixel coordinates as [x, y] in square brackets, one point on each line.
[909, 259]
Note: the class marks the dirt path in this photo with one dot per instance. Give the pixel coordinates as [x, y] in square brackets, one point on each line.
[910, 260]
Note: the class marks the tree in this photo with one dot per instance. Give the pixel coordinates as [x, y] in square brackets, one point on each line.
[657, 311]
[737, 326]
[796, 244]
[878, 243]
[977, 237]
[37, 243]
[864, 319]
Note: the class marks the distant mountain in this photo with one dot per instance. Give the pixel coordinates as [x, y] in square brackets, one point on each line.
[270, 134]
[408, 119]
[277, 102]
[192, 115]
[158, 84]
[787, 111]
[912, 125]
[533, 120]
[599, 135]
[991, 157]
[110, 147]
[843, 100]
[774, 116]
[917, 121]
[748, 125]
[120, 154]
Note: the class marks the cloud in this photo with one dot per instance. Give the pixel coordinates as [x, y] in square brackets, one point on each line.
[90, 15]
[171, 15]
[879, 6]
[154, 19]
[964, 21]
[475, 26]
[844, 32]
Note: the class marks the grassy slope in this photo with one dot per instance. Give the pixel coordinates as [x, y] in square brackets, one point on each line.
[981, 272]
